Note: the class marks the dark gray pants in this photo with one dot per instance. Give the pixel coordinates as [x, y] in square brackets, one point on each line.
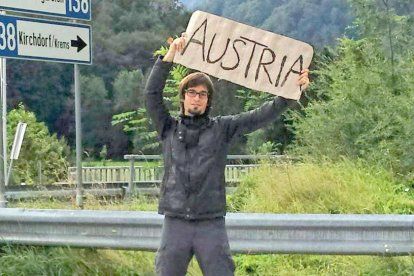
[206, 239]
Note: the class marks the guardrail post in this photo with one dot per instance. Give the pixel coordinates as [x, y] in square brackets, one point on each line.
[3, 200]
[131, 186]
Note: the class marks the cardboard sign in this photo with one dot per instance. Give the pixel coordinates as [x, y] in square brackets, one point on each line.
[251, 57]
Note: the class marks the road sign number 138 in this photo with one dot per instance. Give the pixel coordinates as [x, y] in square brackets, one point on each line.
[79, 5]
[7, 36]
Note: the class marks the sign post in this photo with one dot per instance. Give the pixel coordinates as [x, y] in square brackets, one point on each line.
[3, 200]
[78, 127]
[3, 134]
[4, 115]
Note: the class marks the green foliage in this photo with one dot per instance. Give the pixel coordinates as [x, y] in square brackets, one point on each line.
[369, 111]
[257, 143]
[96, 130]
[367, 92]
[38, 146]
[45, 88]
[128, 90]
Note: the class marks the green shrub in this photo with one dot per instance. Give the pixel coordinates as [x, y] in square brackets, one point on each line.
[38, 146]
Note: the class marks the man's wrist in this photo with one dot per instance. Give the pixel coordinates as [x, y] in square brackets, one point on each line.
[168, 57]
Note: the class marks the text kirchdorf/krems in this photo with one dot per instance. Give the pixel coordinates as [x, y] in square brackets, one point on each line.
[38, 40]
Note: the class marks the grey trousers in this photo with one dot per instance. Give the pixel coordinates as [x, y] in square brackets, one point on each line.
[206, 239]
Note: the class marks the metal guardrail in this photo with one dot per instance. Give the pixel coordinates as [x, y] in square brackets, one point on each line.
[248, 233]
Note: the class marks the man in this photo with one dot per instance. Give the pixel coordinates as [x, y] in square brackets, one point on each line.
[192, 195]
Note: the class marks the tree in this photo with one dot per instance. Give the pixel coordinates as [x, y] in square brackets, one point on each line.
[43, 87]
[128, 91]
[96, 114]
[368, 92]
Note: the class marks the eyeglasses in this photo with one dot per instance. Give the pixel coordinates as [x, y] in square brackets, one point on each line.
[192, 93]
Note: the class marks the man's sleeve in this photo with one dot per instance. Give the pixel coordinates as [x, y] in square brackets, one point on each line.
[250, 121]
[156, 108]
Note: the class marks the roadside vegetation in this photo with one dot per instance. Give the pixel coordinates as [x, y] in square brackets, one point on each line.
[336, 188]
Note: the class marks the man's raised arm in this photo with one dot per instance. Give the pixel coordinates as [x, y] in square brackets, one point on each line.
[156, 108]
[250, 121]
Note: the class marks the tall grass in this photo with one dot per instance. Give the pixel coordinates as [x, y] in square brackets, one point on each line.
[339, 188]
[139, 203]
[307, 265]
[29, 260]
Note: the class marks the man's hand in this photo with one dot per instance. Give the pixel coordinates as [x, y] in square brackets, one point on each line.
[177, 45]
[304, 79]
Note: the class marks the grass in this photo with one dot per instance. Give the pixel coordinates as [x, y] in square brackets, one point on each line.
[343, 187]
[307, 265]
[140, 203]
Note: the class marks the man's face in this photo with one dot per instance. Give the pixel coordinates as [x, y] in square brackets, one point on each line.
[195, 100]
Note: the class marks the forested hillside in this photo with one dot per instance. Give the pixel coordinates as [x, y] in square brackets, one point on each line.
[319, 22]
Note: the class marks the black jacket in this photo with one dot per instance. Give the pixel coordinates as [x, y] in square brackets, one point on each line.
[195, 150]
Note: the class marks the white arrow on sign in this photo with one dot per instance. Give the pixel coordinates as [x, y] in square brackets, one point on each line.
[25, 38]
[79, 9]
